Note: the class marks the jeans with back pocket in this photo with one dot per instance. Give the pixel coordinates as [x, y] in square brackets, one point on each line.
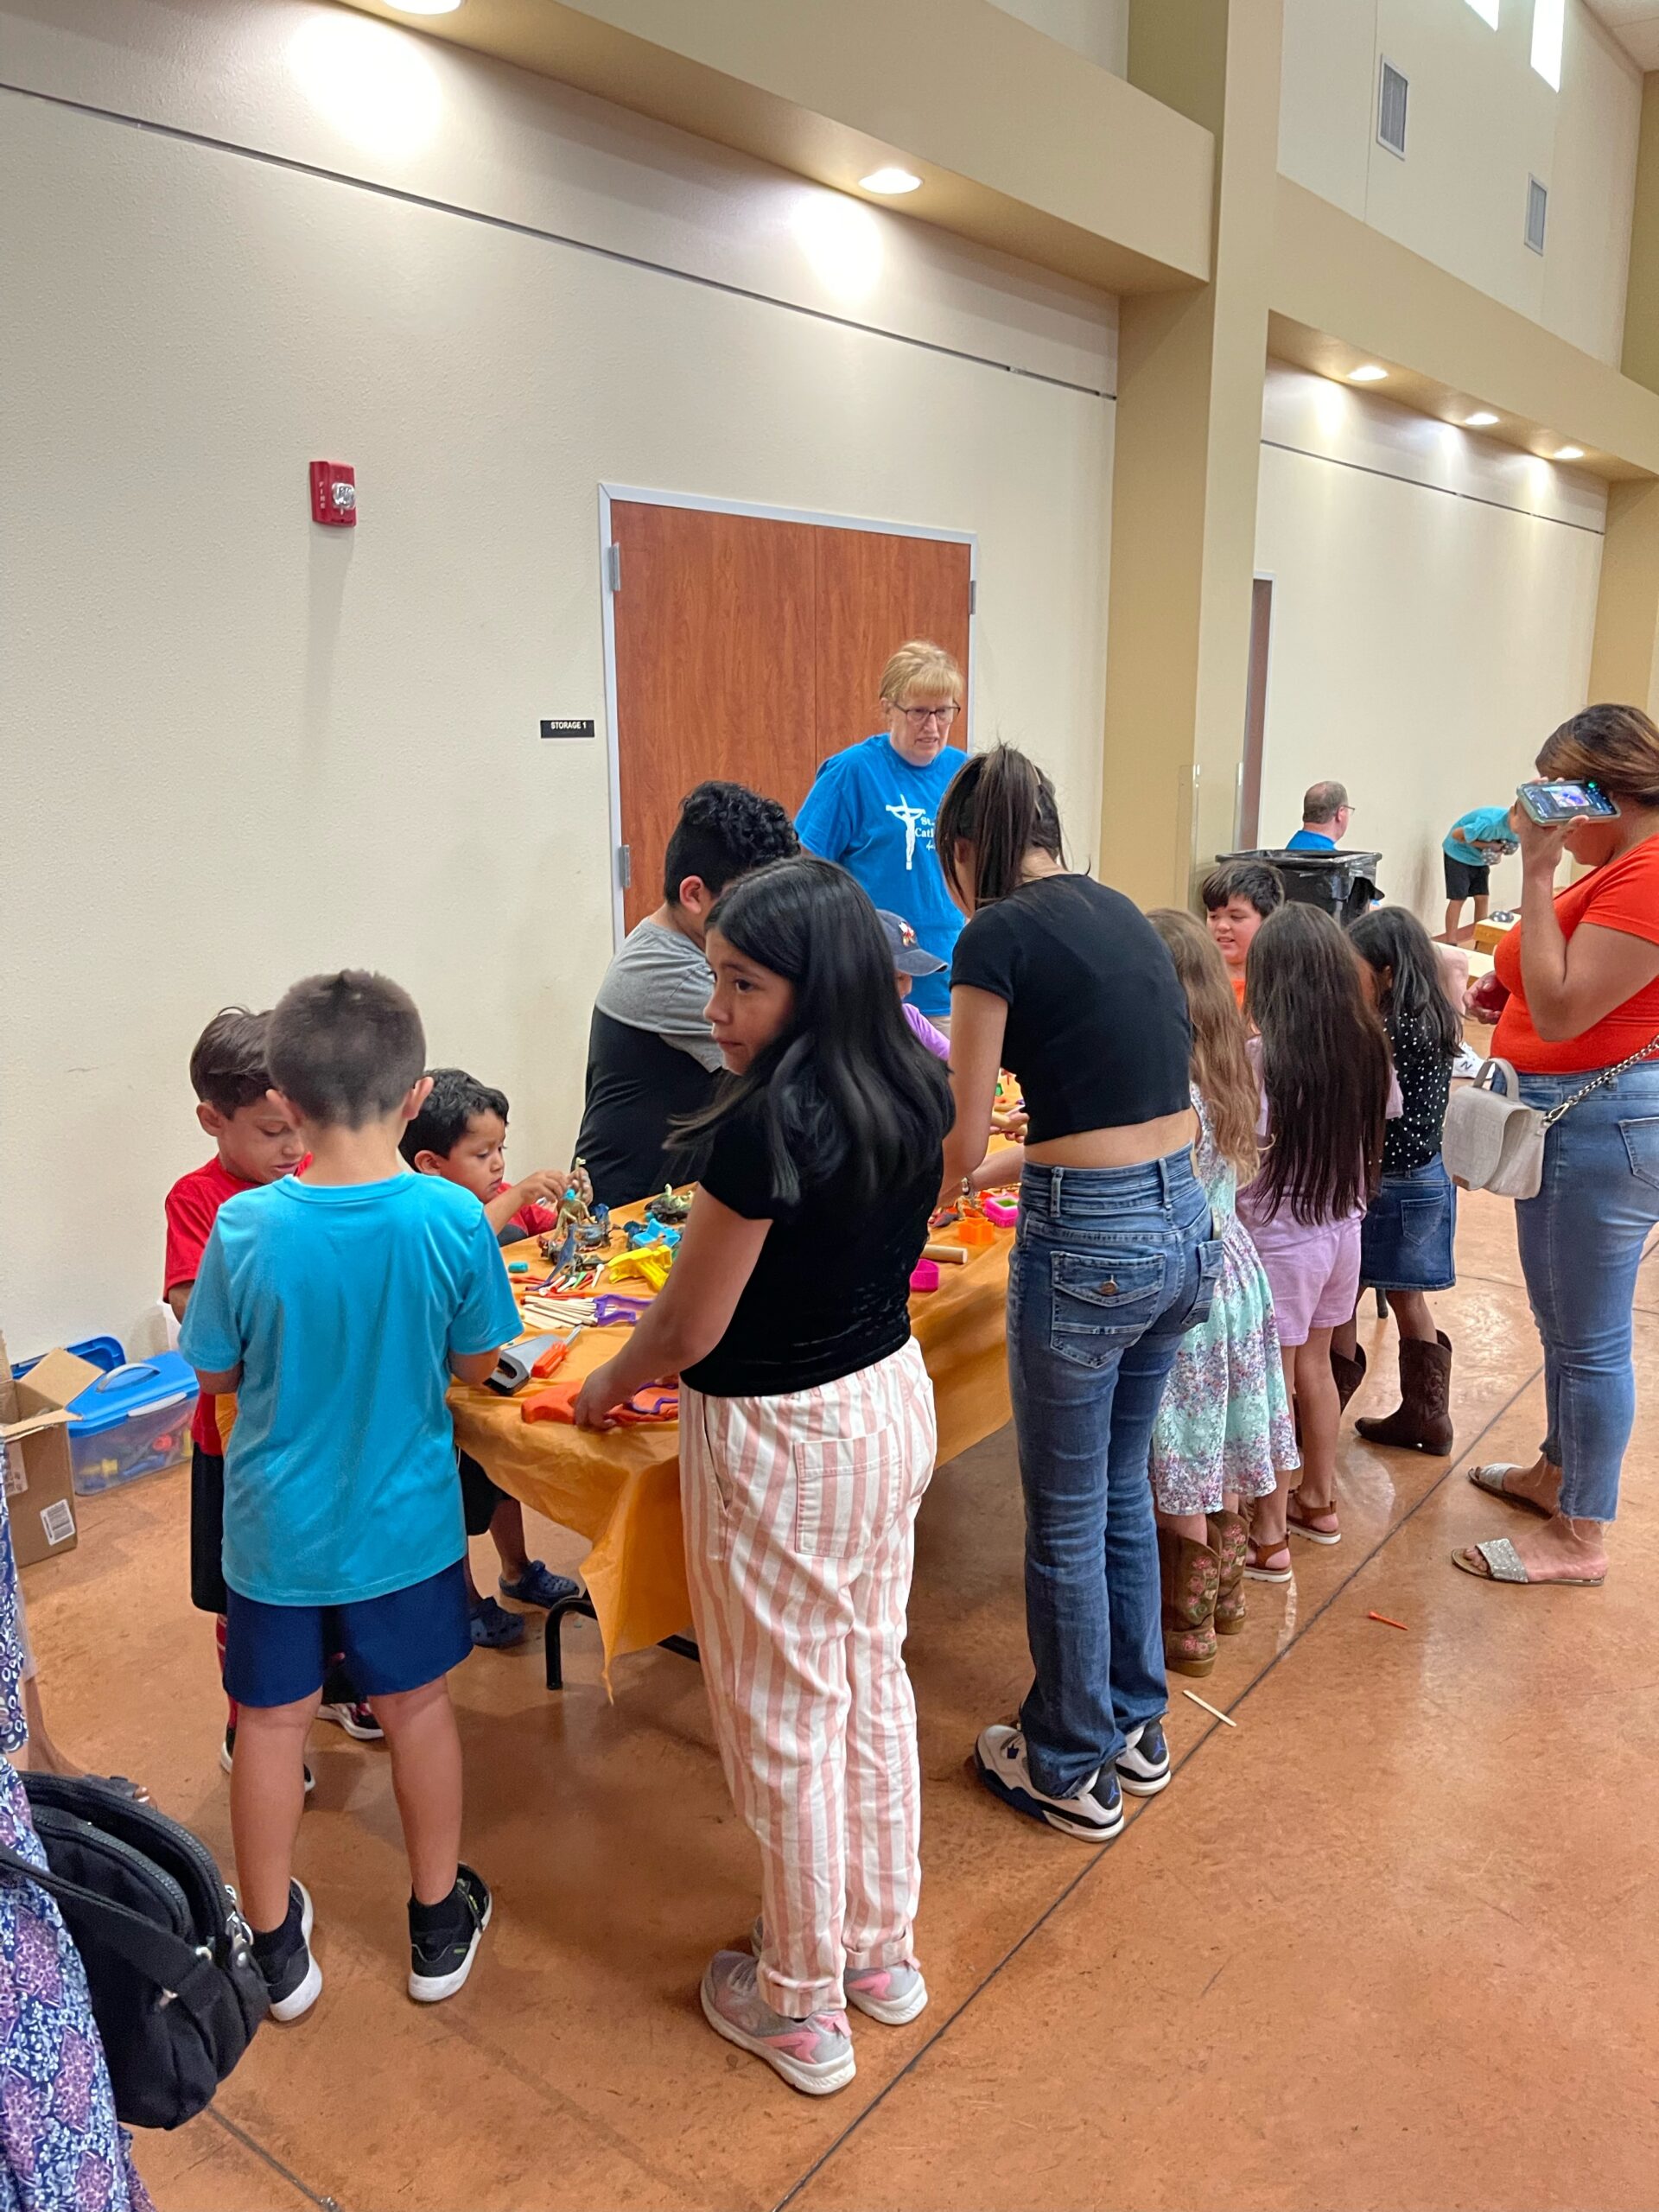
[1110, 1266]
[1581, 1240]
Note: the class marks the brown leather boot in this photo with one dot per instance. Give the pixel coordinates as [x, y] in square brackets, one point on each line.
[1190, 1574]
[1350, 1373]
[1423, 1421]
[1229, 1534]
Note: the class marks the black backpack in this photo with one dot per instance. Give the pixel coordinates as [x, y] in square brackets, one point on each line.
[170, 1962]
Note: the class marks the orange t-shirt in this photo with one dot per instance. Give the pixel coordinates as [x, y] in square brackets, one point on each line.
[1622, 894]
[1237, 983]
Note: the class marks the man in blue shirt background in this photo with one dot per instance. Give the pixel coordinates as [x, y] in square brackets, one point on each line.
[1475, 839]
[872, 807]
[1326, 816]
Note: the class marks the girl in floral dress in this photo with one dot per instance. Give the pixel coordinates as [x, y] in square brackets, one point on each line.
[61, 2147]
[1225, 1430]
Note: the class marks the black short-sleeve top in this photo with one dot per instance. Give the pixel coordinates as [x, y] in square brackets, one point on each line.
[830, 1291]
[1423, 1068]
[1098, 1033]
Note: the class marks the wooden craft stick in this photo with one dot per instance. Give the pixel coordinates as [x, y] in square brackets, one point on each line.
[1386, 1622]
[1210, 1709]
[952, 1254]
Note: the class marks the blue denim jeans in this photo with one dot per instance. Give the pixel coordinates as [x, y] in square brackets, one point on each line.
[1111, 1265]
[1581, 1240]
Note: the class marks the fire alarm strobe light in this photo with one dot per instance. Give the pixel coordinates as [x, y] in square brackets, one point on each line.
[334, 494]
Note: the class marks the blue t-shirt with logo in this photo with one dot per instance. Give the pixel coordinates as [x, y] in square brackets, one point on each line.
[341, 1304]
[872, 812]
[1482, 825]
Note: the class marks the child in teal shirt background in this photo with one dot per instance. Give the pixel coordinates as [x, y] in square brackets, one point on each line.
[1471, 845]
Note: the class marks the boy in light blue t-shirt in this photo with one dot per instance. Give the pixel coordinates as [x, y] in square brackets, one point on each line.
[337, 1303]
[1475, 839]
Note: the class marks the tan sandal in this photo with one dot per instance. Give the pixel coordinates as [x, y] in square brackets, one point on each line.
[1255, 1557]
[1296, 1518]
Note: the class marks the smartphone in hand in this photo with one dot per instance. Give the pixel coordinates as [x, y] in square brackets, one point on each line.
[1551, 804]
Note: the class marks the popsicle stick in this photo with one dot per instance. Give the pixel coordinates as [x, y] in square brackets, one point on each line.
[1210, 1709]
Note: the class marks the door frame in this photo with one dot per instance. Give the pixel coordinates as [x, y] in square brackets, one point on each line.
[1269, 578]
[630, 494]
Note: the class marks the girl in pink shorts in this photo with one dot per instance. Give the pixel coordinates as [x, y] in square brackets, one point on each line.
[1327, 1087]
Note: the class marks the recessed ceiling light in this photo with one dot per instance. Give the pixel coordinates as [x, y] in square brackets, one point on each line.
[425, 7]
[1481, 419]
[1568, 453]
[891, 180]
[1370, 374]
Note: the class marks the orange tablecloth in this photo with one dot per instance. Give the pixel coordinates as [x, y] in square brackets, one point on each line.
[621, 1489]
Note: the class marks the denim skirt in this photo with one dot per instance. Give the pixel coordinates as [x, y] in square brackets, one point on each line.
[1406, 1239]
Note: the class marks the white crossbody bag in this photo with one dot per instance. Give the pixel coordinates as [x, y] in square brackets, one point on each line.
[1493, 1142]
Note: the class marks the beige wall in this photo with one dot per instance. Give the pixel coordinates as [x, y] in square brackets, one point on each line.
[237, 747]
[1434, 599]
[1481, 121]
[1098, 29]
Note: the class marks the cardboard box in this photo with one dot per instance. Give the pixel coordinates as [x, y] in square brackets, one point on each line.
[35, 1440]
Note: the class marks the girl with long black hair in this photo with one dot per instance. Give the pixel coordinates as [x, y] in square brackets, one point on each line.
[806, 1441]
[1406, 1240]
[1326, 1089]
[1066, 983]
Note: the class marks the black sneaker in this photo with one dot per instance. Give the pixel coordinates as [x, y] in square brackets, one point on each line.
[1143, 1763]
[293, 1978]
[1094, 1816]
[227, 1758]
[443, 1939]
[355, 1717]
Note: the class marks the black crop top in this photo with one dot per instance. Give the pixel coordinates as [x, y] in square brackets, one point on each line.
[1099, 1033]
[830, 1291]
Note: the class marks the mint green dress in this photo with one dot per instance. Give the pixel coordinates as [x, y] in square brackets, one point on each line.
[1224, 1424]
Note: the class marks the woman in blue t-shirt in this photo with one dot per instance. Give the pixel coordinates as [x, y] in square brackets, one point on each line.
[872, 808]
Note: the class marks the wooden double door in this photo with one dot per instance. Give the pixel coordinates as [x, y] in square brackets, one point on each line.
[751, 648]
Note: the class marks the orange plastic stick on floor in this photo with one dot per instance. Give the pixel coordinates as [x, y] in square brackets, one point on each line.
[1386, 1622]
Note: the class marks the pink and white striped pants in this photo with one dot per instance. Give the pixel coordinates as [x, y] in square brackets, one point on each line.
[800, 1521]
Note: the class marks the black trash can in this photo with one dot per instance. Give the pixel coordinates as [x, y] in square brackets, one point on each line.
[1344, 884]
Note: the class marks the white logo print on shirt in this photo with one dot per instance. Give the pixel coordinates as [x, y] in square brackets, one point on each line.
[915, 818]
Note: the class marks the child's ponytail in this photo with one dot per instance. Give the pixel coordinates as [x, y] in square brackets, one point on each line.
[1002, 805]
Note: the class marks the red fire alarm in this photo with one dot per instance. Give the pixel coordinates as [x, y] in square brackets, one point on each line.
[334, 494]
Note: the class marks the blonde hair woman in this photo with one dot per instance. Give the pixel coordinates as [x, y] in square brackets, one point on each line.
[873, 806]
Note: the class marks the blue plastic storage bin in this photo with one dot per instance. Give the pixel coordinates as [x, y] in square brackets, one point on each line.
[134, 1420]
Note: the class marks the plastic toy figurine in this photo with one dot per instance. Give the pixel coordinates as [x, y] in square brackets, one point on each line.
[595, 1235]
[671, 1208]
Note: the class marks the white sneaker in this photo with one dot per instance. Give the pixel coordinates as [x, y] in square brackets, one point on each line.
[1095, 1814]
[893, 1995]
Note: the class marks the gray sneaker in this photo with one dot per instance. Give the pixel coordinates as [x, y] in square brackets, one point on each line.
[814, 2056]
[893, 1995]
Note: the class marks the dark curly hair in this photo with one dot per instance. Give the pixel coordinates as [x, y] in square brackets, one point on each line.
[453, 1101]
[228, 1068]
[724, 831]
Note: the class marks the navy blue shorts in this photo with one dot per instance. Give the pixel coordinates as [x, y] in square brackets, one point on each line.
[276, 1654]
[1405, 1238]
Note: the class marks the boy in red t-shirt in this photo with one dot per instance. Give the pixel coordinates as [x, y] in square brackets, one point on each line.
[255, 1142]
[462, 1134]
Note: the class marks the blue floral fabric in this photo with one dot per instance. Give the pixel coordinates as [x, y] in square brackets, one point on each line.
[61, 2147]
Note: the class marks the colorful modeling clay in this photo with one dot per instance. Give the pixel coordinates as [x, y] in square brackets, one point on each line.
[1005, 1216]
[926, 1275]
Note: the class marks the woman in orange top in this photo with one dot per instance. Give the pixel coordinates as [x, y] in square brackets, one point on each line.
[1582, 972]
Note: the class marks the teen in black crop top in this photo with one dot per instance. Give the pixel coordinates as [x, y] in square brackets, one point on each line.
[1098, 1030]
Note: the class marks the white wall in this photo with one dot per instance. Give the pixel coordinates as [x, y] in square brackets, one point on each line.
[1098, 29]
[1481, 121]
[237, 747]
[1434, 603]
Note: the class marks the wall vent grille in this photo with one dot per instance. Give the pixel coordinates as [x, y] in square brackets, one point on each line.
[1391, 109]
[1537, 213]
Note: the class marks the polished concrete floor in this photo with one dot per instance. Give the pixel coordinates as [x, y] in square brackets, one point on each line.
[1389, 1941]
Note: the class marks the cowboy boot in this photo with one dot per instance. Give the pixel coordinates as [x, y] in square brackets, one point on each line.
[1189, 1574]
[1423, 1420]
[1230, 1533]
[1349, 1373]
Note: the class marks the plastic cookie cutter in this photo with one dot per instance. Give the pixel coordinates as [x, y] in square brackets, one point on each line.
[609, 1309]
[1005, 1216]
